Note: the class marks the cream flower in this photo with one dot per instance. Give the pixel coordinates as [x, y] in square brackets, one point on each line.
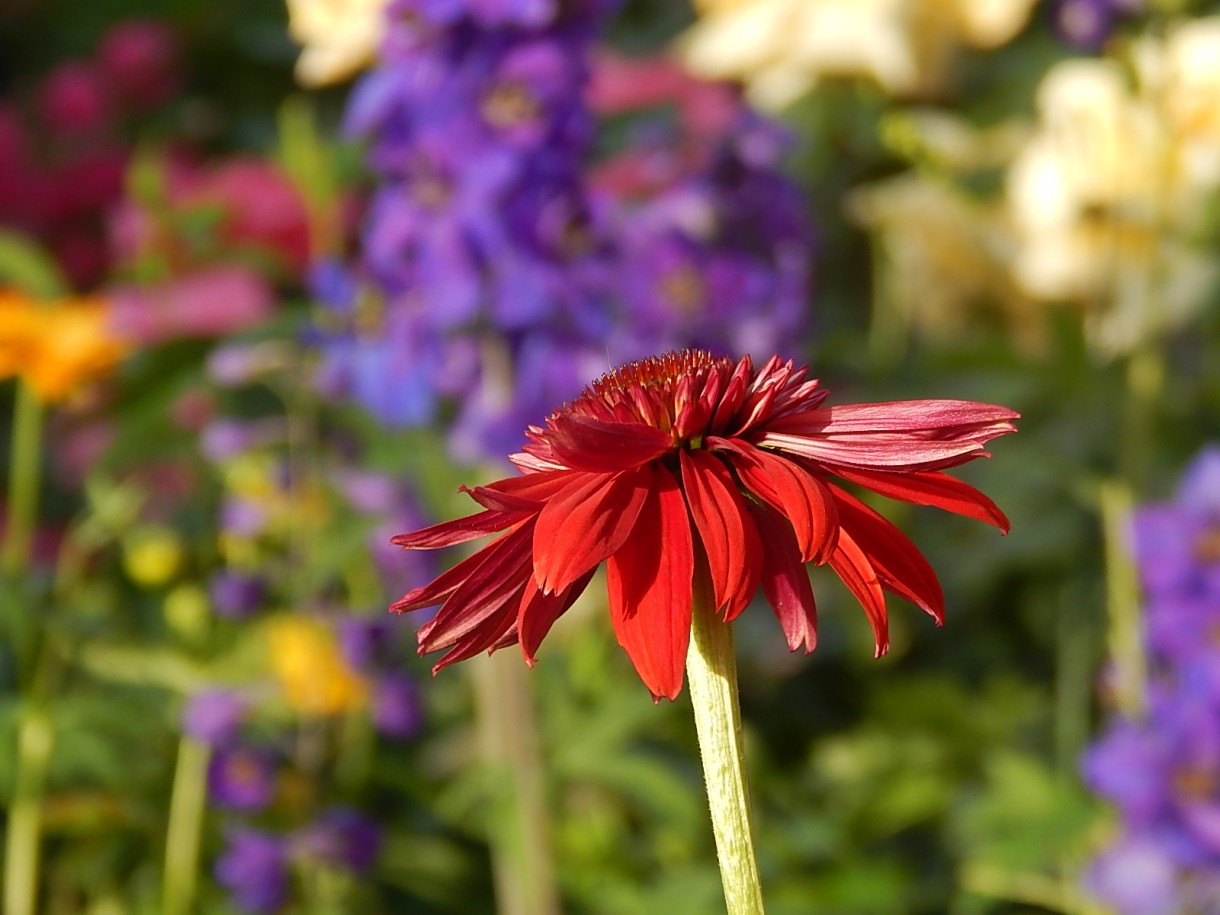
[781, 48]
[339, 37]
[943, 258]
[1112, 188]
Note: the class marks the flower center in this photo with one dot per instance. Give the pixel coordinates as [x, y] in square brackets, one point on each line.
[510, 105]
[658, 372]
[1207, 547]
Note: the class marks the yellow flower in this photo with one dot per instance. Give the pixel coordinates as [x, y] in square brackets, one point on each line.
[339, 37]
[56, 347]
[782, 48]
[312, 673]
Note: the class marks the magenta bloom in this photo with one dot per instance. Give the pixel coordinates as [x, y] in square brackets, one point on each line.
[691, 464]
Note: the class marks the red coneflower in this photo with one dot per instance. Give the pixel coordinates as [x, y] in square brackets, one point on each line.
[691, 464]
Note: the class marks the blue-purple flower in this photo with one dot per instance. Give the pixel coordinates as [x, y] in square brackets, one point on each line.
[241, 778]
[1162, 771]
[254, 870]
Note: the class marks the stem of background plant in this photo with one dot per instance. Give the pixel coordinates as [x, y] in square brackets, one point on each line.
[711, 672]
[519, 834]
[24, 482]
[186, 809]
[1125, 631]
[21, 846]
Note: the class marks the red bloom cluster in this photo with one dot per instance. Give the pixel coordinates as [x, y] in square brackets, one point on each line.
[691, 464]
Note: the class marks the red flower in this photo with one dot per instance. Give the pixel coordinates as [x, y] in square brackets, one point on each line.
[690, 464]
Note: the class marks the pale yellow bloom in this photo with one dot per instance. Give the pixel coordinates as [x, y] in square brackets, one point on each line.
[943, 264]
[56, 347]
[339, 37]
[312, 674]
[1112, 189]
[782, 48]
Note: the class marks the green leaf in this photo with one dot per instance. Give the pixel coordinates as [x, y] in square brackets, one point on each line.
[28, 267]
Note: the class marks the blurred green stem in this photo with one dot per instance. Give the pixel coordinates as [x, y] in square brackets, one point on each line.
[711, 671]
[186, 809]
[24, 482]
[522, 860]
[34, 740]
[1123, 602]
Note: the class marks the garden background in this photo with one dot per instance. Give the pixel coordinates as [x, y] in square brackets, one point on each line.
[264, 313]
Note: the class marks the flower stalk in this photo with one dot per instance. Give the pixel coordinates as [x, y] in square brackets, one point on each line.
[188, 804]
[24, 481]
[711, 672]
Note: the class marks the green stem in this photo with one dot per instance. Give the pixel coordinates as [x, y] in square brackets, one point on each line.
[24, 482]
[522, 859]
[186, 809]
[711, 672]
[21, 847]
[1126, 640]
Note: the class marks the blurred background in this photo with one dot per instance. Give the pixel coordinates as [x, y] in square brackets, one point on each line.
[276, 280]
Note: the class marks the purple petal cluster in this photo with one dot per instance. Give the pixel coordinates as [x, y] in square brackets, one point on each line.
[1162, 772]
[375, 648]
[501, 276]
[1086, 24]
[256, 866]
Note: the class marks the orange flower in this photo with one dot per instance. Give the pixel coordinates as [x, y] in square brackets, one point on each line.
[55, 347]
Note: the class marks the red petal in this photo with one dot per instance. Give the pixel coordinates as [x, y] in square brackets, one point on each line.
[879, 451]
[460, 531]
[539, 610]
[801, 497]
[726, 529]
[447, 582]
[583, 525]
[899, 564]
[908, 435]
[585, 443]
[896, 416]
[785, 581]
[649, 581]
[930, 488]
[851, 564]
[528, 492]
[476, 605]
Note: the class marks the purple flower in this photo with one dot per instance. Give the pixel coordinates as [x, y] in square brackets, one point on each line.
[1177, 544]
[1086, 24]
[241, 778]
[341, 837]
[254, 870]
[366, 644]
[213, 716]
[236, 594]
[396, 707]
[1135, 876]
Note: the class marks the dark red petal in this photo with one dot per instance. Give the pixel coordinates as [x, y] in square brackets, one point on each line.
[801, 497]
[475, 606]
[930, 488]
[649, 581]
[539, 610]
[896, 416]
[785, 581]
[527, 492]
[585, 443]
[448, 581]
[494, 631]
[902, 452]
[584, 524]
[726, 529]
[900, 566]
[734, 396]
[449, 533]
[908, 435]
[851, 564]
